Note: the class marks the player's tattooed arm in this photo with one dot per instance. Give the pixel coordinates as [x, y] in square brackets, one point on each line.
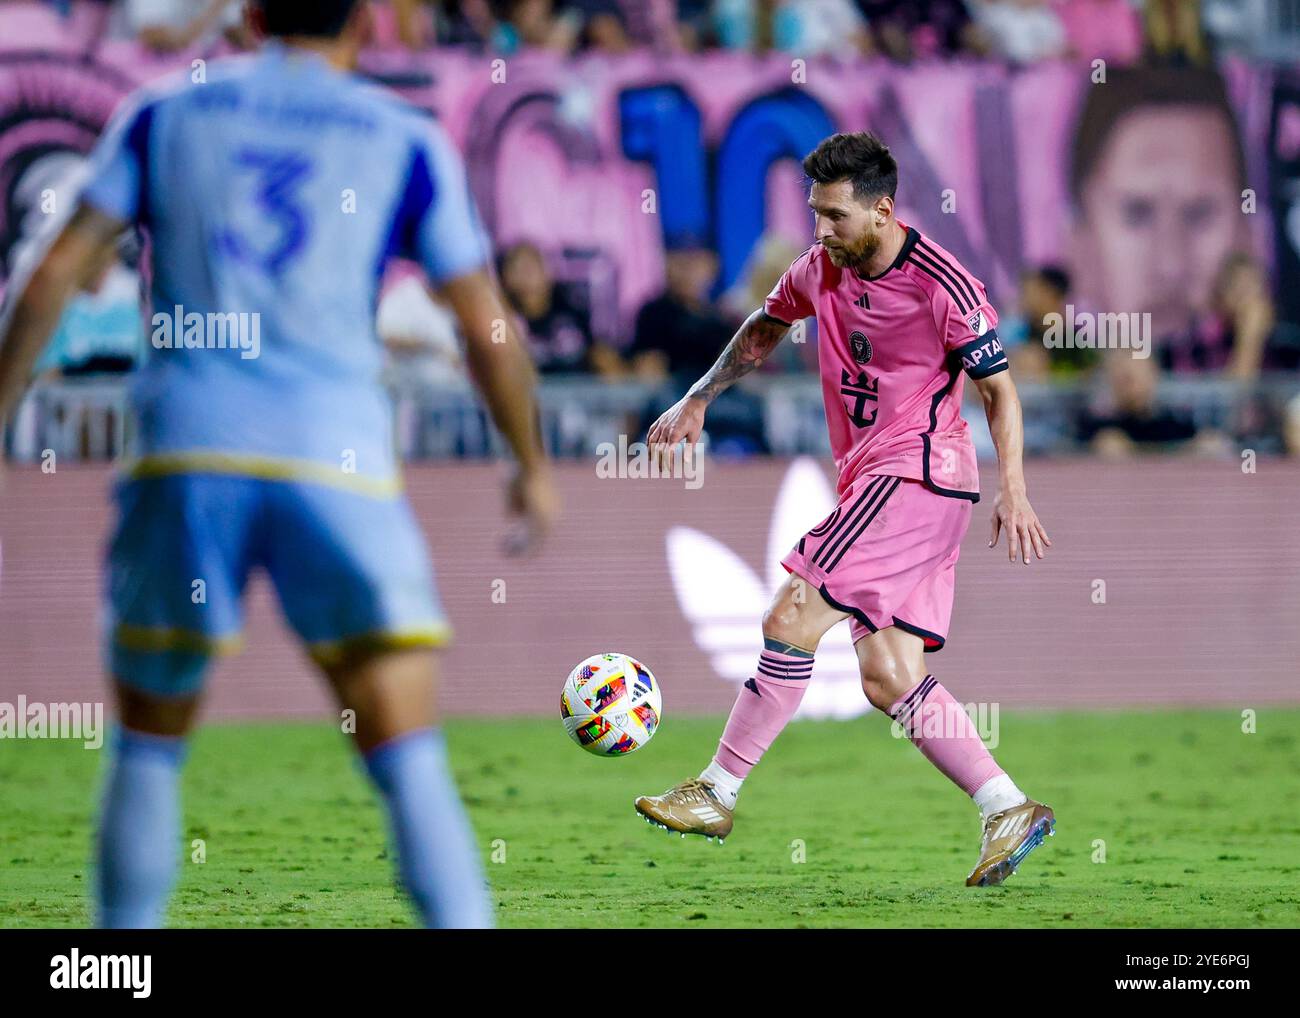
[751, 344]
[684, 420]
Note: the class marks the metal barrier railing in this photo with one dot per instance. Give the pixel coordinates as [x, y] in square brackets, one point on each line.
[87, 419]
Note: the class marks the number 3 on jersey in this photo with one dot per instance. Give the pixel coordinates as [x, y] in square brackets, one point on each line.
[271, 240]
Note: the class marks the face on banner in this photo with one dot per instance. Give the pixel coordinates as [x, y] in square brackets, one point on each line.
[1161, 213]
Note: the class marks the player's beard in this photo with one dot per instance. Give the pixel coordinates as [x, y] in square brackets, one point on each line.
[857, 254]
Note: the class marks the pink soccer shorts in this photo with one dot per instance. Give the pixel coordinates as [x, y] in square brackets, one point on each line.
[887, 555]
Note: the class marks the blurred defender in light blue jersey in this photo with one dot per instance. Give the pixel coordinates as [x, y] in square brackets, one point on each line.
[273, 194]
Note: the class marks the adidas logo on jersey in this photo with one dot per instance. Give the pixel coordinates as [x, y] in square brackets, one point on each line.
[863, 301]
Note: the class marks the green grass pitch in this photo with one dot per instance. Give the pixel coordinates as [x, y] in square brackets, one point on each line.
[840, 826]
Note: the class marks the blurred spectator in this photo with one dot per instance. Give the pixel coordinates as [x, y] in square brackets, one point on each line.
[505, 25]
[419, 334]
[680, 333]
[1109, 30]
[693, 25]
[1233, 336]
[558, 331]
[651, 22]
[679, 336]
[408, 23]
[1021, 31]
[1043, 291]
[458, 22]
[536, 24]
[920, 29]
[1130, 418]
[168, 25]
[1174, 33]
[772, 255]
[805, 28]
[604, 28]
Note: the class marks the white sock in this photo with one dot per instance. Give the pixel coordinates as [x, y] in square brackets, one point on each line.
[725, 784]
[998, 794]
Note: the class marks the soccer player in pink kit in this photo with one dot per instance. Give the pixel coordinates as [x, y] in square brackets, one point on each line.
[899, 323]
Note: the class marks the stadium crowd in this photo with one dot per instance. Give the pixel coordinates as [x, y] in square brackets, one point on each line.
[1018, 31]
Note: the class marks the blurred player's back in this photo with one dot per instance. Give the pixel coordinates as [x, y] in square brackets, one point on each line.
[278, 188]
[274, 192]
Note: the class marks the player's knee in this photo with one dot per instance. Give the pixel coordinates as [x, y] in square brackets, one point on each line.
[785, 621]
[389, 693]
[155, 715]
[885, 680]
[779, 618]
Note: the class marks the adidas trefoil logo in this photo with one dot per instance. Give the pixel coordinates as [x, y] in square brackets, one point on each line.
[723, 599]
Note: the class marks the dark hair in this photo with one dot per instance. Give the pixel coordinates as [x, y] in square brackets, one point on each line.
[507, 255]
[1130, 89]
[862, 158]
[1054, 276]
[325, 18]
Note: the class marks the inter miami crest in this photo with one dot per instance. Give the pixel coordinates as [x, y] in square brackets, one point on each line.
[861, 347]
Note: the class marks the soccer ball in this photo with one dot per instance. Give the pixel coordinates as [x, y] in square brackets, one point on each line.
[611, 705]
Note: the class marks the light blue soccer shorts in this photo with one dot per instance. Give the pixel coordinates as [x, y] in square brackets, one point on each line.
[351, 570]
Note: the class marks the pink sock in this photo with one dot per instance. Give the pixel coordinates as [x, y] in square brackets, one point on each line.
[765, 705]
[942, 730]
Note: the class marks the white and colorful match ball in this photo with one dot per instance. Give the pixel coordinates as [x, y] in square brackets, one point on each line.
[611, 705]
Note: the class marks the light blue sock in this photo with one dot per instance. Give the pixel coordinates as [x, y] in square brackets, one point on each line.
[436, 852]
[139, 830]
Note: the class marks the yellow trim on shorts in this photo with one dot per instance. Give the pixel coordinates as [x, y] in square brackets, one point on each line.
[265, 468]
[328, 653]
[161, 639]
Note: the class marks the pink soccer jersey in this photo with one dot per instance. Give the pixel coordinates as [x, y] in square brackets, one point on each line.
[892, 349]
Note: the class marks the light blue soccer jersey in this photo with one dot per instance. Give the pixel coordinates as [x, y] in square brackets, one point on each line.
[274, 192]
[277, 189]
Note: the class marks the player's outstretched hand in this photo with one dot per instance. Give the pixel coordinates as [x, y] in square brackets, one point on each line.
[531, 497]
[1014, 514]
[683, 420]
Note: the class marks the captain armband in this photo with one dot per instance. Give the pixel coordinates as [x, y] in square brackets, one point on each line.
[983, 355]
